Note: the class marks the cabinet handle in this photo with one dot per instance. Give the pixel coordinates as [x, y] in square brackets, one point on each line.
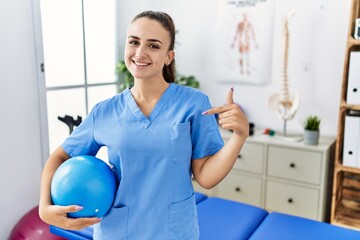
[237, 189]
[290, 200]
[355, 90]
[239, 156]
[292, 165]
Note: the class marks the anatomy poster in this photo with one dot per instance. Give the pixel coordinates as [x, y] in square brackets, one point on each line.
[244, 41]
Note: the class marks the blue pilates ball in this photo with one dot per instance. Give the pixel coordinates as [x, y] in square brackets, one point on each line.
[85, 181]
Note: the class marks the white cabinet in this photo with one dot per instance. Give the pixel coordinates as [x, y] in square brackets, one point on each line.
[292, 199]
[242, 188]
[282, 176]
[244, 183]
[251, 158]
[294, 164]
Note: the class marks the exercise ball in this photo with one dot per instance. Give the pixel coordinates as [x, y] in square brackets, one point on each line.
[31, 227]
[85, 181]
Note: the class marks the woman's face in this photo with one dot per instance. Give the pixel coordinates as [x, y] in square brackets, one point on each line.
[146, 49]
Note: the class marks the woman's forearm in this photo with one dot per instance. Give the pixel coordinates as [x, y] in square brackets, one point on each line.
[208, 172]
[54, 161]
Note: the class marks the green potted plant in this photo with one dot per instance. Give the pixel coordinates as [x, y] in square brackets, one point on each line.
[187, 81]
[128, 79]
[312, 130]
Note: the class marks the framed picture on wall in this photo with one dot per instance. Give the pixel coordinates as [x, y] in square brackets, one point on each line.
[243, 41]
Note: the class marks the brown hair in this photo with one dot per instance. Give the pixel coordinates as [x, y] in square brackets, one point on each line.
[166, 21]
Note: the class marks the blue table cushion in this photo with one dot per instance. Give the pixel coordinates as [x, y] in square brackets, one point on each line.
[278, 226]
[199, 197]
[228, 220]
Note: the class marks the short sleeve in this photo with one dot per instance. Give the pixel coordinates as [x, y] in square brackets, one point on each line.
[81, 141]
[205, 134]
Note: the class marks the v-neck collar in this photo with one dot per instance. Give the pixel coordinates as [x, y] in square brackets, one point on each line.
[140, 116]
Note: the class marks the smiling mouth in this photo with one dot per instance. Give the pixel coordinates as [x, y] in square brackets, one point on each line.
[140, 64]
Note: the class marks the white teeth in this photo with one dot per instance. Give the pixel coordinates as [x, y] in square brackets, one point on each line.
[141, 64]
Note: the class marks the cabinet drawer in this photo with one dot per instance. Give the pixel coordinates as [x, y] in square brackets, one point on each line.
[241, 188]
[292, 199]
[295, 164]
[251, 158]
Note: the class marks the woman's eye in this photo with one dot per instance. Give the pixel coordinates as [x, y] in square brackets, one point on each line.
[133, 42]
[154, 46]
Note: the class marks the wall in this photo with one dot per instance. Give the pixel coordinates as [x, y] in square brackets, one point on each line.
[20, 146]
[316, 57]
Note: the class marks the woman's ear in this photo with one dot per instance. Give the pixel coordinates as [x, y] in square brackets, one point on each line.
[170, 57]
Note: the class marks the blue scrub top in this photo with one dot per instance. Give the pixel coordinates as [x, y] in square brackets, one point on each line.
[151, 157]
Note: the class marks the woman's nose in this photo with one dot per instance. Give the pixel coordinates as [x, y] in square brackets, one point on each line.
[141, 52]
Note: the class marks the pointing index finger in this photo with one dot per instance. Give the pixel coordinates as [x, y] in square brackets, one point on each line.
[215, 110]
[221, 109]
[230, 96]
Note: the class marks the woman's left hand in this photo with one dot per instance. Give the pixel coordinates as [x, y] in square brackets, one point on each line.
[231, 117]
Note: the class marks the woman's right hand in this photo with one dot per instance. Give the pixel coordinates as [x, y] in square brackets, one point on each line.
[54, 214]
[57, 216]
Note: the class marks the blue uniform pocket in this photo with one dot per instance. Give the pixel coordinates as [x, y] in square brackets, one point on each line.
[113, 225]
[181, 146]
[183, 223]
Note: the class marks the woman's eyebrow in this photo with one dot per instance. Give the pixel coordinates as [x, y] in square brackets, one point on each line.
[149, 40]
[155, 40]
[134, 37]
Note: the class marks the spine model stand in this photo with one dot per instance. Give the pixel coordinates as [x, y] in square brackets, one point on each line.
[284, 105]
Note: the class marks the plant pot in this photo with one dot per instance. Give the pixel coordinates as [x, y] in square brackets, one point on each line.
[311, 137]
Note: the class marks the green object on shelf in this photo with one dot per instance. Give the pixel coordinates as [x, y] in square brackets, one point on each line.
[272, 133]
[312, 123]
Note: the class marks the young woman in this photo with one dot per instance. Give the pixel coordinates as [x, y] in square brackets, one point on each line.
[158, 134]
